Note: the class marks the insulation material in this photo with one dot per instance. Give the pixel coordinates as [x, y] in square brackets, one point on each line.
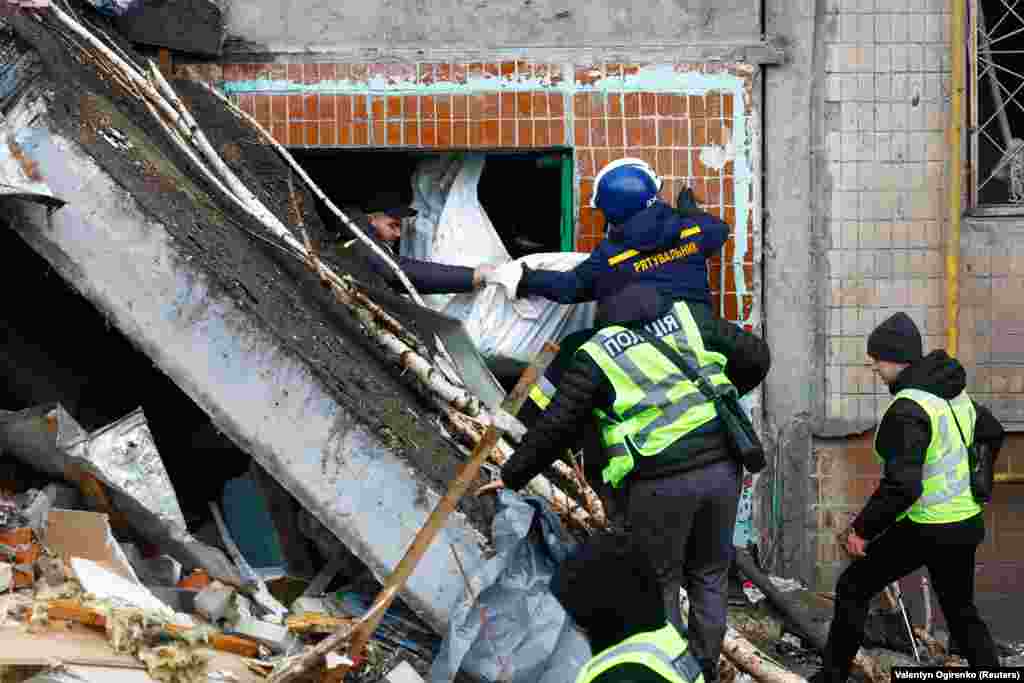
[453, 228]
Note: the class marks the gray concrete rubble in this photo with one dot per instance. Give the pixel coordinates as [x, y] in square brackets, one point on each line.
[124, 458]
[248, 335]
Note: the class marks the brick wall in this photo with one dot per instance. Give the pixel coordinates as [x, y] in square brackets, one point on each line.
[887, 72]
[695, 124]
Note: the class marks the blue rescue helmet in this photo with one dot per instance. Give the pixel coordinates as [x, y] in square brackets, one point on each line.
[623, 188]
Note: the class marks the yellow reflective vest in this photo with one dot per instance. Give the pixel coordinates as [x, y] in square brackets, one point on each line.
[946, 476]
[663, 651]
[655, 404]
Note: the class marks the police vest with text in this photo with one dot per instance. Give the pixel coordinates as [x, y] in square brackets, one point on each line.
[946, 497]
[663, 651]
[655, 404]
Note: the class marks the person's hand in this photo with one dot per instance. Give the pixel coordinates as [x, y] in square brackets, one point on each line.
[482, 275]
[855, 544]
[493, 487]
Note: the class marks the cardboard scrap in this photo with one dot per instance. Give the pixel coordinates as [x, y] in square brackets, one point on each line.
[87, 535]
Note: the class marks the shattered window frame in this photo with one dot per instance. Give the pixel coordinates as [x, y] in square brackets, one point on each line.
[996, 106]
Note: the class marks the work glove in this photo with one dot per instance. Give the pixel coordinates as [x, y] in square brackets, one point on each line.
[481, 275]
[508, 276]
[686, 204]
[509, 425]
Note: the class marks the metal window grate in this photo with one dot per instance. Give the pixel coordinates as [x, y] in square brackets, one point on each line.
[997, 114]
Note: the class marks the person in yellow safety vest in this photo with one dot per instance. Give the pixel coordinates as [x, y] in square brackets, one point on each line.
[923, 512]
[628, 632]
[662, 441]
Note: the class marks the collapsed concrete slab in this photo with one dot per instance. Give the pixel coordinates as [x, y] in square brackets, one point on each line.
[249, 335]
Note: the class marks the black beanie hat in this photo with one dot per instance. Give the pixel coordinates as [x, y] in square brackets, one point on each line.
[896, 340]
[636, 302]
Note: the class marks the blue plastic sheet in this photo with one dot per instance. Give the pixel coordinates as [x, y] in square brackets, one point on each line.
[513, 629]
[117, 8]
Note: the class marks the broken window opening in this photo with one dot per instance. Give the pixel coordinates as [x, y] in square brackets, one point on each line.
[527, 195]
[997, 111]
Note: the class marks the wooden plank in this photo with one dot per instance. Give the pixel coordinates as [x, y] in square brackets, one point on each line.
[60, 642]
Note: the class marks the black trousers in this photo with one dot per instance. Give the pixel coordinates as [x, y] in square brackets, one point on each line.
[684, 524]
[948, 551]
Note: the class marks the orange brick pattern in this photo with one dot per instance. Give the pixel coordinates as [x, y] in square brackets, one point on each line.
[353, 105]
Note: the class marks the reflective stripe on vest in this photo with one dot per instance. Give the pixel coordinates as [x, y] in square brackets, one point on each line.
[663, 651]
[655, 404]
[945, 476]
[542, 392]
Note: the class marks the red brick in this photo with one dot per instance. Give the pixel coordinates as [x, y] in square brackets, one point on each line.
[394, 134]
[728, 191]
[460, 134]
[581, 105]
[601, 159]
[310, 108]
[598, 133]
[343, 107]
[696, 105]
[508, 133]
[359, 109]
[713, 105]
[247, 104]
[312, 132]
[476, 70]
[492, 70]
[681, 162]
[648, 104]
[295, 73]
[490, 106]
[377, 71]
[460, 107]
[428, 133]
[328, 108]
[681, 131]
[524, 105]
[508, 70]
[666, 130]
[328, 72]
[630, 69]
[361, 134]
[540, 71]
[664, 105]
[278, 108]
[507, 105]
[585, 164]
[524, 69]
[491, 133]
[614, 105]
[443, 73]
[525, 133]
[262, 107]
[328, 133]
[411, 107]
[613, 70]
[540, 104]
[727, 105]
[445, 134]
[379, 133]
[581, 133]
[555, 74]
[295, 108]
[459, 73]
[412, 133]
[279, 72]
[715, 132]
[542, 133]
[310, 73]
[664, 166]
[280, 132]
[344, 133]
[394, 104]
[425, 73]
[426, 108]
[699, 133]
[343, 72]
[616, 132]
[631, 104]
[378, 108]
[558, 132]
[360, 73]
[599, 104]
[476, 107]
[556, 104]
[476, 134]
[649, 132]
[296, 135]
[444, 106]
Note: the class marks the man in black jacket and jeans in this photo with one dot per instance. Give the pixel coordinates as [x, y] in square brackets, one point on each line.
[923, 513]
[681, 502]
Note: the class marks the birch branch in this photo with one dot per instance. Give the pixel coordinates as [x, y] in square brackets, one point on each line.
[356, 230]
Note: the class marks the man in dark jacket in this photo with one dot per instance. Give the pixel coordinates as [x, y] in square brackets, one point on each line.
[648, 241]
[381, 220]
[666, 450]
[923, 513]
[624, 627]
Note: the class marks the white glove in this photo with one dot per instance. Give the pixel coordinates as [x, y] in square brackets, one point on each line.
[509, 424]
[508, 276]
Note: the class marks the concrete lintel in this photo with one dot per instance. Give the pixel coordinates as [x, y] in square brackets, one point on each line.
[763, 52]
[193, 26]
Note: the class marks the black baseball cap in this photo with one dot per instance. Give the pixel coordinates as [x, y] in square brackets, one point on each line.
[390, 203]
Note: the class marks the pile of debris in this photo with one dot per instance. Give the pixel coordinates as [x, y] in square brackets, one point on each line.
[66, 584]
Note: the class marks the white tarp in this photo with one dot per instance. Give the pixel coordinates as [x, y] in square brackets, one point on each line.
[453, 228]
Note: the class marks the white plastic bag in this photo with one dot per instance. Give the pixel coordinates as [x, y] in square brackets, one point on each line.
[453, 228]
